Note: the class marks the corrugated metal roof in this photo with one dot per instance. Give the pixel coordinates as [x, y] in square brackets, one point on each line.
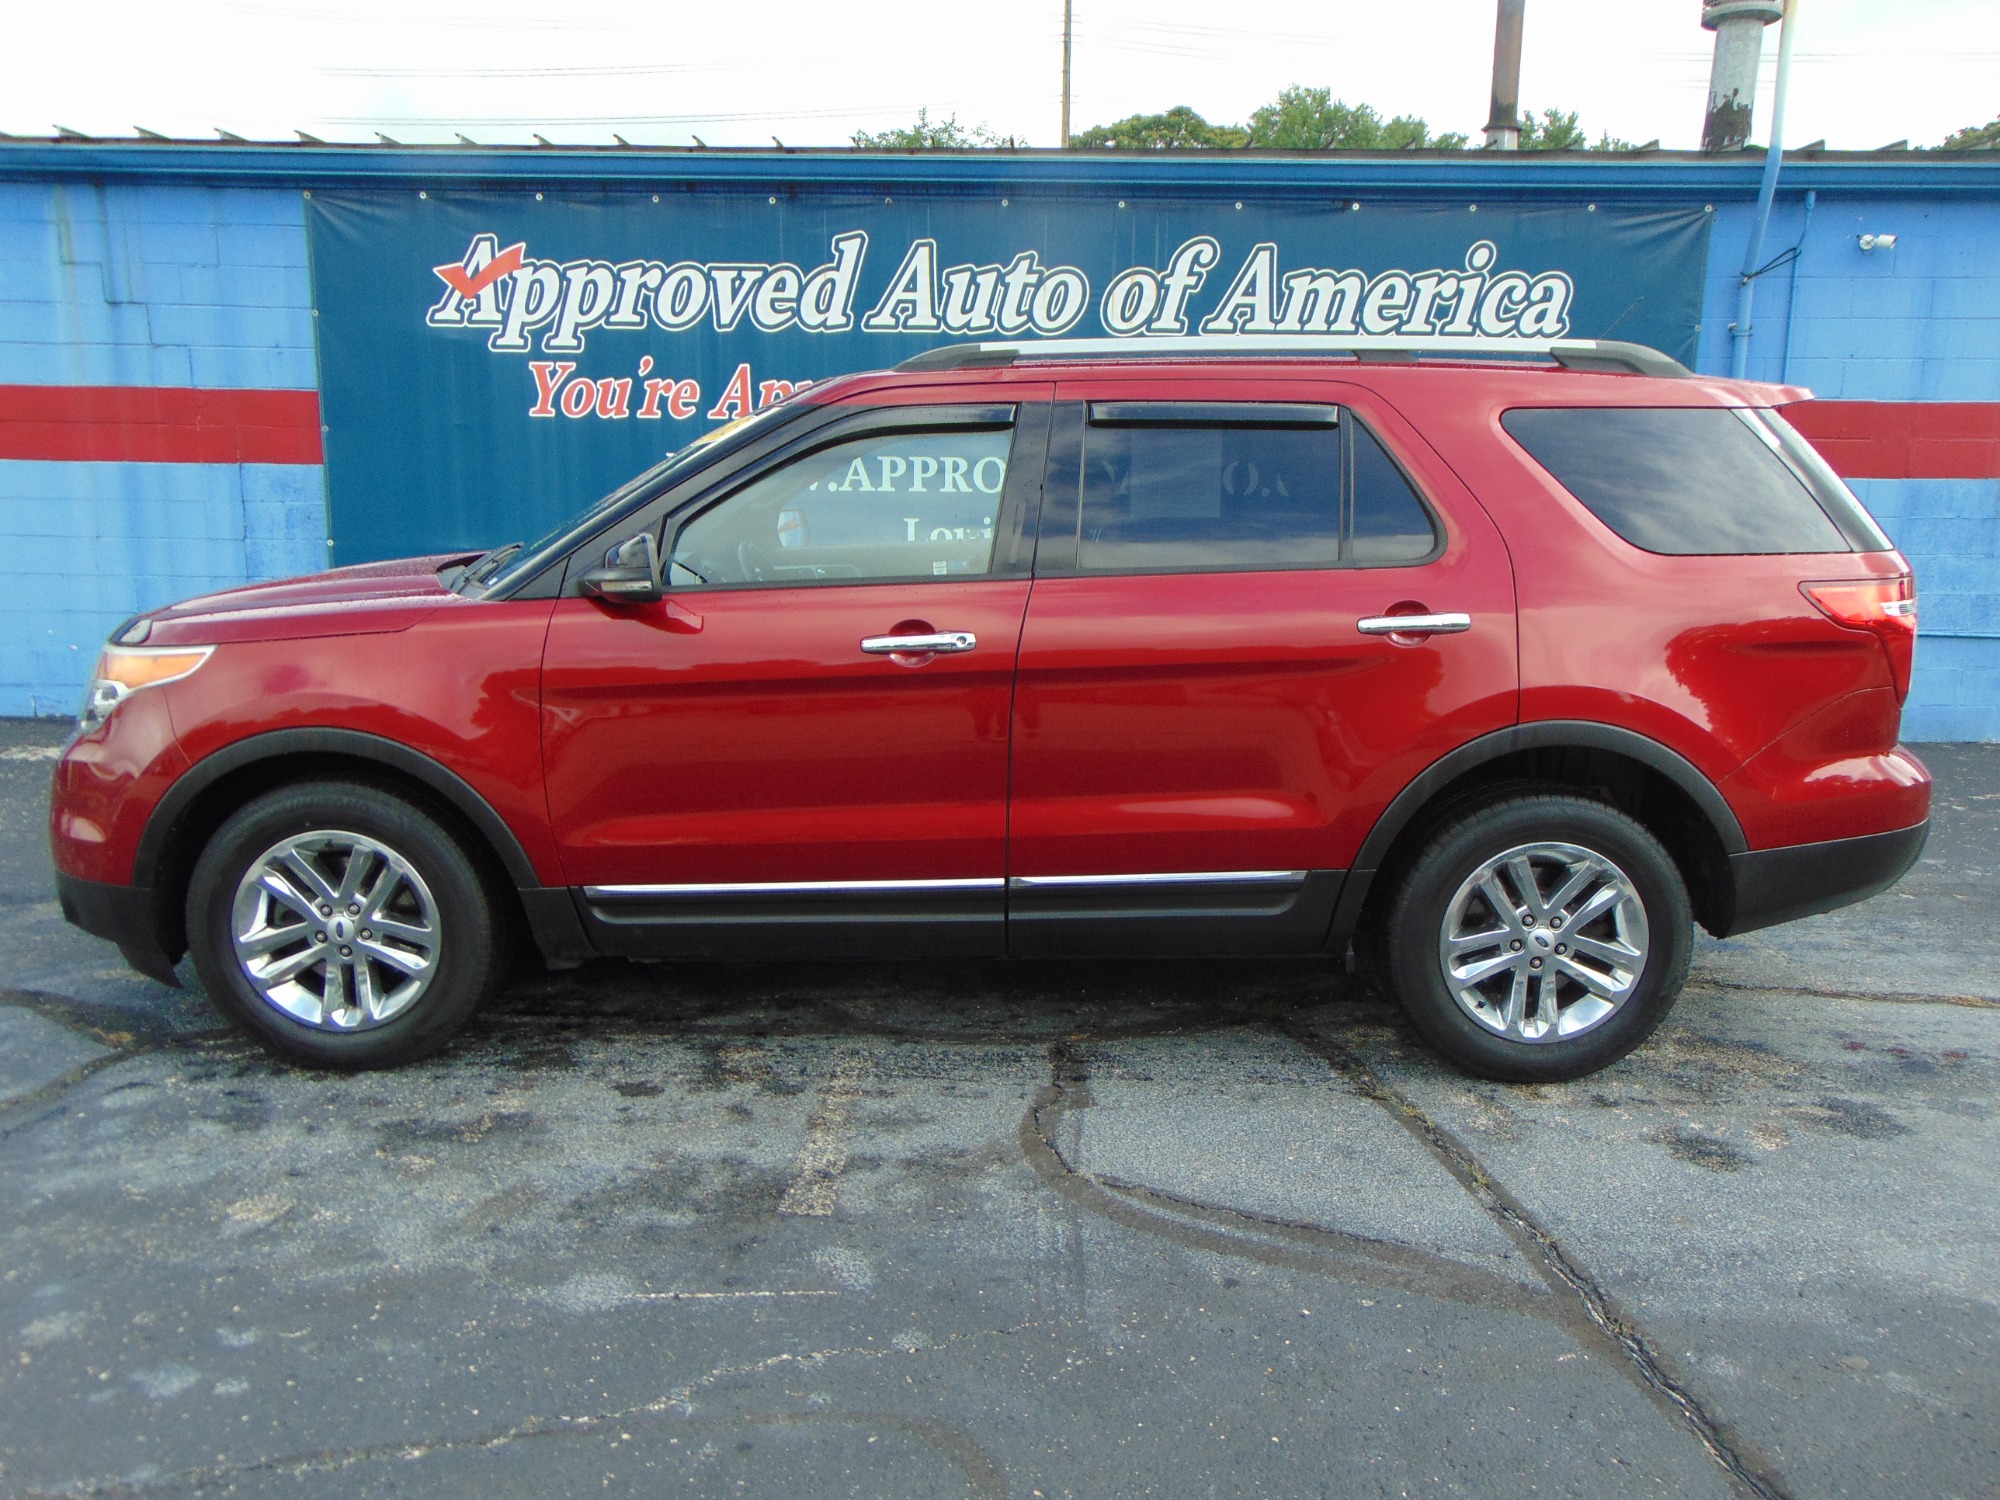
[1266, 174]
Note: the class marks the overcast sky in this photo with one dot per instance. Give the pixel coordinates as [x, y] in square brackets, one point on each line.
[1867, 71]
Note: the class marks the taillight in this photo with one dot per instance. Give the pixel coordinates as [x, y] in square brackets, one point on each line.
[1886, 606]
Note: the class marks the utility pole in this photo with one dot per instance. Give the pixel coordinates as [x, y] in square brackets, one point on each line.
[1503, 121]
[1065, 104]
[1732, 81]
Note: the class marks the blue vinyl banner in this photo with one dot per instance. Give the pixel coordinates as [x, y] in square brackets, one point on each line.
[492, 362]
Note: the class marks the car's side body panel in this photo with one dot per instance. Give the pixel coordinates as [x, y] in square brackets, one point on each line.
[743, 736]
[1715, 657]
[1226, 722]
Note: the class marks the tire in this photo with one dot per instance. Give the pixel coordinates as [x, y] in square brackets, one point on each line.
[1522, 1004]
[433, 953]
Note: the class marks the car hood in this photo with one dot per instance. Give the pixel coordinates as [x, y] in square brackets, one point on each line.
[367, 599]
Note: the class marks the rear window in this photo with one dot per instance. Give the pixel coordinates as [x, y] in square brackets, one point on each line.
[1686, 482]
[1834, 497]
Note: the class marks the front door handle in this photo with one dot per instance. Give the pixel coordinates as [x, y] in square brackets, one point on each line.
[1444, 624]
[919, 645]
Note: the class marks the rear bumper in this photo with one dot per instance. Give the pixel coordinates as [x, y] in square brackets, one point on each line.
[1779, 885]
[125, 915]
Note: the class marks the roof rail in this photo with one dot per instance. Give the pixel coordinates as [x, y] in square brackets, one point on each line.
[1574, 354]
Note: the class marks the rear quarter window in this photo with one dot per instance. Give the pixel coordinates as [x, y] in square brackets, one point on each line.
[1680, 481]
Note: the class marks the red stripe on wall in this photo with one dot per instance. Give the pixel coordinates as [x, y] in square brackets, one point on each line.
[1904, 439]
[159, 424]
[176, 424]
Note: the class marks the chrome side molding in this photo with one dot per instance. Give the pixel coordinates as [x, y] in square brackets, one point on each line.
[785, 888]
[917, 887]
[1192, 877]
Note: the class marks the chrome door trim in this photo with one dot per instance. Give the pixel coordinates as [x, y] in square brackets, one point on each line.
[899, 645]
[786, 887]
[1441, 624]
[1177, 877]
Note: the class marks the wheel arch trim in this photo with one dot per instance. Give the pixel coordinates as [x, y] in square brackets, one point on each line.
[1584, 734]
[277, 744]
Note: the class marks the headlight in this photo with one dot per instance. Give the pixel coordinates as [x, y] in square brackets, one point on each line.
[123, 670]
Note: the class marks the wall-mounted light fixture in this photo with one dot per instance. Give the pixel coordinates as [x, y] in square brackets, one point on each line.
[1877, 242]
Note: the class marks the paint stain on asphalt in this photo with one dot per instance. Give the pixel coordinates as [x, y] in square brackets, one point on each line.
[829, 1134]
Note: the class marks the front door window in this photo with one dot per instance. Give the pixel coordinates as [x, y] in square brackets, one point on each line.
[891, 507]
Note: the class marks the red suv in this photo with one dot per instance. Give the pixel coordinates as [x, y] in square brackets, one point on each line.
[1500, 672]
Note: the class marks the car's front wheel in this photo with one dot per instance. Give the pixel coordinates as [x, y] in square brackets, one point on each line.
[342, 926]
[1539, 938]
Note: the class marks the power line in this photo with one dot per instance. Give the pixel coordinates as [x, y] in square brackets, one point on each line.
[525, 122]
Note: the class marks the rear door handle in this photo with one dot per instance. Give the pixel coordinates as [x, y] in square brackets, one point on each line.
[917, 645]
[1445, 624]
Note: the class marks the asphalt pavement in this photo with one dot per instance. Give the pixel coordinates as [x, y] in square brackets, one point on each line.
[1012, 1229]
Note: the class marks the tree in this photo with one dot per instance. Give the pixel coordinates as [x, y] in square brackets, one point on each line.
[1179, 129]
[935, 135]
[1973, 136]
[1310, 119]
[1556, 130]
[1303, 118]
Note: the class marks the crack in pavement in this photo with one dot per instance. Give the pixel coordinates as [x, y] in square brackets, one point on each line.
[1221, 1230]
[982, 1472]
[86, 1018]
[124, 1046]
[1748, 1469]
[1911, 997]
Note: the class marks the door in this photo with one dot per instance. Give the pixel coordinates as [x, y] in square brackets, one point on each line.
[1214, 700]
[805, 741]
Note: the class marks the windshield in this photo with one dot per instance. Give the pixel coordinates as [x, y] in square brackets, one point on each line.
[522, 560]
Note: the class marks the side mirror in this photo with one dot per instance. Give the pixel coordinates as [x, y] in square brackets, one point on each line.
[629, 574]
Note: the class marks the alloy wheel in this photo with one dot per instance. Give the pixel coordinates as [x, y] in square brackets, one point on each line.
[336, 930]
[1543, 942]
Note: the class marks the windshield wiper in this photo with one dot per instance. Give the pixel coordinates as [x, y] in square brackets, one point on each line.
[488, 564]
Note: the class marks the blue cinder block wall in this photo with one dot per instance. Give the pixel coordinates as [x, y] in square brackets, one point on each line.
[1918, 322]
[144, 285]
[161, 281]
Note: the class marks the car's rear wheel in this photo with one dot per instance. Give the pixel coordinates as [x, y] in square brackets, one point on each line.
[342, 926]
[1539, 938]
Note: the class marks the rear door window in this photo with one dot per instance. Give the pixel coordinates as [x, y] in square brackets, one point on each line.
[1199, 487]
[1388, 522]
[1680, 481]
